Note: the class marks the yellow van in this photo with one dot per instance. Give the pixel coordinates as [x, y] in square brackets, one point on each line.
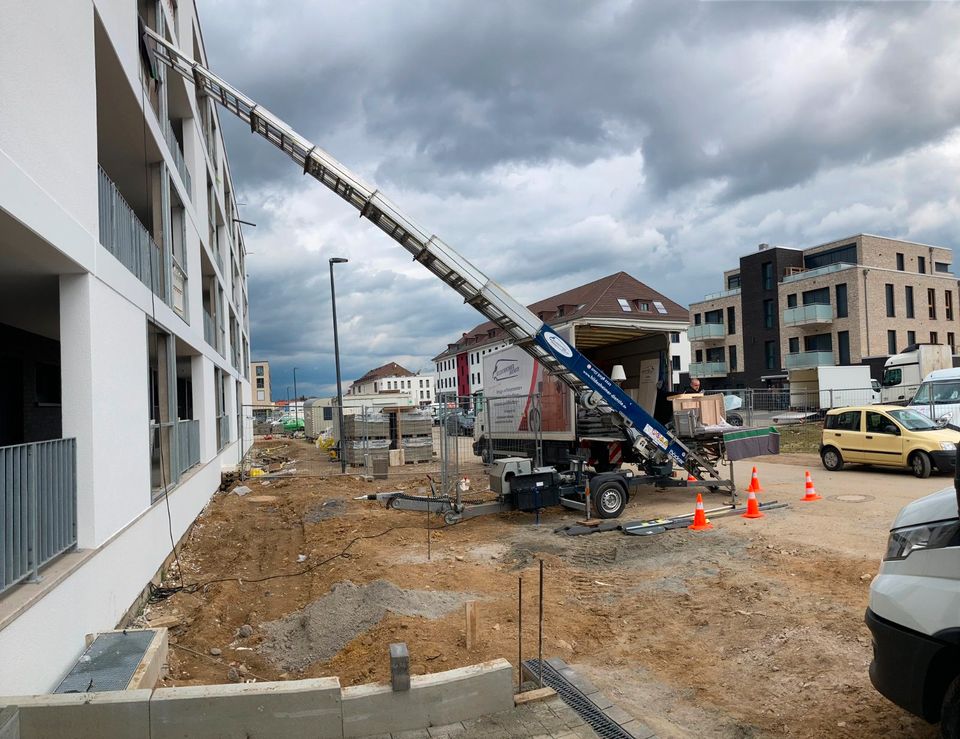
[888, 436]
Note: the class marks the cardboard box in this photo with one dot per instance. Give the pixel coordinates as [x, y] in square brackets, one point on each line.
[709, 407]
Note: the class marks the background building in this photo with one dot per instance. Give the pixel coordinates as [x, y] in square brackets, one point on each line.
[851, 301]
[612, 304]
[124, 348]
[262, 392]
[392, 378]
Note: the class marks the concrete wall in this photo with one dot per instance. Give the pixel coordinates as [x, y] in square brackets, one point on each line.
[279, 710]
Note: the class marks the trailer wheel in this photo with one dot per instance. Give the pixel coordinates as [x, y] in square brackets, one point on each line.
[609, 500]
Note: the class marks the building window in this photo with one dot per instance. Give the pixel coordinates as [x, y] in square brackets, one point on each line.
[891, 308]
[922, 265]
[261, 395]
[891, 342]
[733, 358]
[911, 338]
[934, 339]
[950, 338]
[909, 299]
[766, 275]
[674, 337]
[941, 267]
[792, 300]
[948, 296]
[768, 314]
[675, 363]
[842, 305]
[260, 370]
[931, 302]
[843, 346]
[699, 355]
[624, 305]
[733, 282]
[642, 306]
[820, 296]
[842, 254]
[731, 320]
[900, 265]
[260, 384]
[696, 319]
[794, 344]
[818, 343]
[327, 413]
[770, 354]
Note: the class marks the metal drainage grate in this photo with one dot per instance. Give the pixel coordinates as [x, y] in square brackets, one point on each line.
[108, 663]
[603, 725]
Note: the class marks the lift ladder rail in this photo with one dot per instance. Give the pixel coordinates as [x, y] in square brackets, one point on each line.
[485, 295]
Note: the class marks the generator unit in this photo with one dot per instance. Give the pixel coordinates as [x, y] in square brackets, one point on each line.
[504, 470]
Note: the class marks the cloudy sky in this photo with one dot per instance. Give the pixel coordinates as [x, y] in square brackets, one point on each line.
[558, 141]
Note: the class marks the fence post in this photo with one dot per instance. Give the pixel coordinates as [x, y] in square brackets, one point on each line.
[34, 513]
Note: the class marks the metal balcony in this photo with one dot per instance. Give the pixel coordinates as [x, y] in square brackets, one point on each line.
[804, 315]
[806, 360]
[706, 331]
[722, 294]
[817, 272]
[708, 369]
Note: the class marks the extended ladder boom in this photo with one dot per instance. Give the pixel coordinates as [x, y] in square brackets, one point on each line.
[527, 330]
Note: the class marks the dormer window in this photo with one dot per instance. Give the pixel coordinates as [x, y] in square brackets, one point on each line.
[642, 306]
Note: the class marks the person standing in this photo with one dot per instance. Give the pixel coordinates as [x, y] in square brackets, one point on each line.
[693, 386]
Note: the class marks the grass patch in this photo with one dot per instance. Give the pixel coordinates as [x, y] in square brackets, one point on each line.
[802, 438]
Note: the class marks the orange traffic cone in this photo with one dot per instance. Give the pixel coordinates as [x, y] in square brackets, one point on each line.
[811, 493]
[691, 478]
[753, 507]
[754, 486]
[700, 522]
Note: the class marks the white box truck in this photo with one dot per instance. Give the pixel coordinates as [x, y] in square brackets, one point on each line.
[826, 387]
[903, 373]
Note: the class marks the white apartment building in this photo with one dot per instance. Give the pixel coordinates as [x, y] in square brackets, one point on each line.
[393, 378]
[679, 355]
[124, 349]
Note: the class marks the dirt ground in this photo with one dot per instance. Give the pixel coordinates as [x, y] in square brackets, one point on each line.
[753, 629]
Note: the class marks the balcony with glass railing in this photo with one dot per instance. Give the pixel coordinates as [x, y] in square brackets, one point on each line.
[708, 369]
[804, 315]
[177, 152]
[806, 360]
[817, 272]
[722, 294]
[706, 331]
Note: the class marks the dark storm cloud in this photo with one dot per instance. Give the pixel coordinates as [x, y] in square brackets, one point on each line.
[555, 142]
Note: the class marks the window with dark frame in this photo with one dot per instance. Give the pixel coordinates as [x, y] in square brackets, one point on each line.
[769, 319]
[891, 306]
[891, 342]
[731, 320]
[900, 264]
[922, 265]
[766, 275]
[931, 302]
[908, 298]
[842, 305]
[733, 358]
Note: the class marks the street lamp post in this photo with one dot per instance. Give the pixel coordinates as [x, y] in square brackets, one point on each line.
[336, 355]
[296, 409]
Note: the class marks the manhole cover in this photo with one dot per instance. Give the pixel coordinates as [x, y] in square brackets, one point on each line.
[851, 498]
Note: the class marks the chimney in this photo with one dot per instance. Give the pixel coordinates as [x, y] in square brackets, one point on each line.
[763, 246]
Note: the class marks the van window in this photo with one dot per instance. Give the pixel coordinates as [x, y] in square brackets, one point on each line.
[938, 392]
[846, 421]
[892, 376]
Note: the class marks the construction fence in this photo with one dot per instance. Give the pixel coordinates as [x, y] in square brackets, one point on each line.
[784, 406]
[452, 443]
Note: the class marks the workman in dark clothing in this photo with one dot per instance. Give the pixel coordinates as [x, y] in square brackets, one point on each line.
[693, 386]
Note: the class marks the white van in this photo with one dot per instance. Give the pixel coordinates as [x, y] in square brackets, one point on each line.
[914, 612]
[938, 397]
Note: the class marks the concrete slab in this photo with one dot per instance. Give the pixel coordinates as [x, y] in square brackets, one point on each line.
[9, 723]
[107, 715]
[280, 710]
[433, 700]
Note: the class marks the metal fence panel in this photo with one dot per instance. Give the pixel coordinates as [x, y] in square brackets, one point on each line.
[38, 499]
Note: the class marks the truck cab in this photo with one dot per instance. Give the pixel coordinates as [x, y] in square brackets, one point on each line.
[903, 373]
[938, 397]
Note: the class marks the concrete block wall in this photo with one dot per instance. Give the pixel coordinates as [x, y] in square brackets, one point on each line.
[278, 710]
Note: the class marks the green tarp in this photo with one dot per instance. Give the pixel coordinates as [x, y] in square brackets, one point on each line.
[745, 443]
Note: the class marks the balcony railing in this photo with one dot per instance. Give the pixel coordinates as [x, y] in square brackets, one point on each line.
[706, 331]
[817, 272]
[708, 369]
[38, 506]
[722, 294]
[174, 146]
[223, 431]
[804, 360]
[124, 236]
[209, 330]
[802, 315]
[188, 444]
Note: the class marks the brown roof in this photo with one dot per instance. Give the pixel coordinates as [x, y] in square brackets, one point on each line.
[599, 298]
[391, 369]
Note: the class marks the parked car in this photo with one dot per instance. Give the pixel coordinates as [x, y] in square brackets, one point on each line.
[460, 423]
[914, 612]
[888, 436]
[288, 423]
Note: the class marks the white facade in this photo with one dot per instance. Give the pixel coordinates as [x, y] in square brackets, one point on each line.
[123, 296]
[679, 355]
[417, 387]
[445, 370]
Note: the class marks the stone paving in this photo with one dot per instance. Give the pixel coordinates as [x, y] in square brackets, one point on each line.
[549, 719]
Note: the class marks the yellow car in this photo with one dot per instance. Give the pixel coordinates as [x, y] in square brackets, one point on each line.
[889, 436]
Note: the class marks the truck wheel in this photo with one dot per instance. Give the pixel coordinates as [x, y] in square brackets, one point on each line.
[831, 459]
[950, 712]
[609, 500]
[920, 464]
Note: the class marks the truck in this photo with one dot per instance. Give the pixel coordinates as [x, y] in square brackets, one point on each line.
[903, 373]
[524, 410]
[815, 390]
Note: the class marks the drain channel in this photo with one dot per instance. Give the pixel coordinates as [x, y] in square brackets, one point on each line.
[603, 725]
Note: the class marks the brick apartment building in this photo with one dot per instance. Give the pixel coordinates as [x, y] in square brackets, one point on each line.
[851, 301]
